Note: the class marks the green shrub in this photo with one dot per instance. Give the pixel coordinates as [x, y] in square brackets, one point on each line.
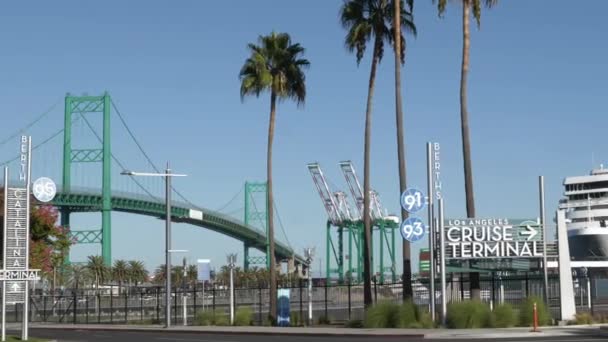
[526, 315]
[354, 324]
[221, 319]
[504, 316]
[425, 321]
[295, 319]
[469, 314]
[204, 318]
[382, 315]
[583, 318]
[209, 317]
[243, 317]
[324, 320]
[408, 316]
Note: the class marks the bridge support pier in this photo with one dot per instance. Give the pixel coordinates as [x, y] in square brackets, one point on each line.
[80, 105]
[65, 223]
[246, 258]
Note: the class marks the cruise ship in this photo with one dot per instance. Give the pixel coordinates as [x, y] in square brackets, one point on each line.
[586, 203]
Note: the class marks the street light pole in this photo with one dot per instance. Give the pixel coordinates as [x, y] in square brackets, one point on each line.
[167, 175]
[168, 247]
[231, 265]
[309, 253]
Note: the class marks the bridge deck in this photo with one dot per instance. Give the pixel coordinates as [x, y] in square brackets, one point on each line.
[88, 200]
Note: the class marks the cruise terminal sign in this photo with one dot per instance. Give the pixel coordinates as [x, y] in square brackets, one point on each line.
[493, 238]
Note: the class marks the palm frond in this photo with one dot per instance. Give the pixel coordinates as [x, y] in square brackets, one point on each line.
[274, 65]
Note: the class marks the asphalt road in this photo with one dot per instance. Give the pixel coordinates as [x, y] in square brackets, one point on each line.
[123, 336]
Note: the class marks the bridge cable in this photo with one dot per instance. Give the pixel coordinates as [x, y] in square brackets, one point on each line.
[141, 149]
[230, 202]
[281, 225]
[35, 147]
[257, 216]
[28, 126]
[118, 161]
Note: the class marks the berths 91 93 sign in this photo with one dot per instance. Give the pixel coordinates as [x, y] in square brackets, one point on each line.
[493, 238]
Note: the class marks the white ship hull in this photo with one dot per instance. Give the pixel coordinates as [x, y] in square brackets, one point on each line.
[588, 243]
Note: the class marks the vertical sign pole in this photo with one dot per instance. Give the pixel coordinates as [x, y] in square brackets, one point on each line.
[4, 254]
[429, 174]
[541, 190]
[444, 304]
[26, 302]
[168, 247]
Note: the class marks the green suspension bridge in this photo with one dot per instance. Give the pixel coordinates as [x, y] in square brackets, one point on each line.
[87, 142]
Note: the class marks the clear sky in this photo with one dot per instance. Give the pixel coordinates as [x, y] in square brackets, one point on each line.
[537, 91]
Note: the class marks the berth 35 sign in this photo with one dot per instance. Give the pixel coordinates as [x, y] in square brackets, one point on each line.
[493, 238]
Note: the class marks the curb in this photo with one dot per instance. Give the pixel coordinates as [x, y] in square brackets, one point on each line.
[230, 332]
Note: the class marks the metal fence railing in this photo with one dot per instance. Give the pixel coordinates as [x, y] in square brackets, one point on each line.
[336, 303]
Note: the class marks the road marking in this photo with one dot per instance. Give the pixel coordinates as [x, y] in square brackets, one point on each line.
[189, 339]
[571, 340]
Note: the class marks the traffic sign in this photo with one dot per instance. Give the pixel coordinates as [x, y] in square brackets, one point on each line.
[413, 200]
[44, 189]
[412, 229]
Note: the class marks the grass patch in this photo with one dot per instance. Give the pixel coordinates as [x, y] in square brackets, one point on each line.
[243, 317]
[468, 315]
[354, 324]
[392, 315]
[504, 316]
[526, 315]
[583, 318]
[209, 317]
[324, 320]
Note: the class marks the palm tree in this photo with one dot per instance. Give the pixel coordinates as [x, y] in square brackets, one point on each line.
[274, 65]
[365, 20]
[98, 269]
[159, 274]
[464, 115]
[137, 272]
[191, 274]
[402, 16]
[120, 273]
[76, 275]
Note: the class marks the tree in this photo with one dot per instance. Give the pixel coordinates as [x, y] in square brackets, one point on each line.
[98, 269]
[137, 272]
[76, 275]
[274, 65]
[191, 274]
[464, 115]
[49, 243]
[120, 273]
[366, 21]
[159, 274]
[402, 16]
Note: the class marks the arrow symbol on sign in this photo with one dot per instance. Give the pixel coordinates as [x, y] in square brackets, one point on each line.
[15, 287]
[530, 232]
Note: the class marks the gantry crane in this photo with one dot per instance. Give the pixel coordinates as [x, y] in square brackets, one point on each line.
[384, 224]
[345, 220]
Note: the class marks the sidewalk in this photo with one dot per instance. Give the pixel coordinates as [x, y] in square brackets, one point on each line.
[338, 331]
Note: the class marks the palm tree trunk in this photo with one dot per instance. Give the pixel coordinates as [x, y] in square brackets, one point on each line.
[269, 208]
[407, 266]
[367, 224]
[464, 126]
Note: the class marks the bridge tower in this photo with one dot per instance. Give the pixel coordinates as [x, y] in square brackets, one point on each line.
[81, 105]
[253, 213]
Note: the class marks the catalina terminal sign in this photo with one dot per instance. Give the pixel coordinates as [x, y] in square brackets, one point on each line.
[493, 238]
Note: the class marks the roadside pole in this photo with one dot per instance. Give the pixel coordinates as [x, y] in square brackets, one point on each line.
[431, 219]
[4, 249]
[444, 302]
[541, 193]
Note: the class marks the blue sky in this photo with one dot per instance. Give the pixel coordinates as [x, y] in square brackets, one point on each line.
[537, 90]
